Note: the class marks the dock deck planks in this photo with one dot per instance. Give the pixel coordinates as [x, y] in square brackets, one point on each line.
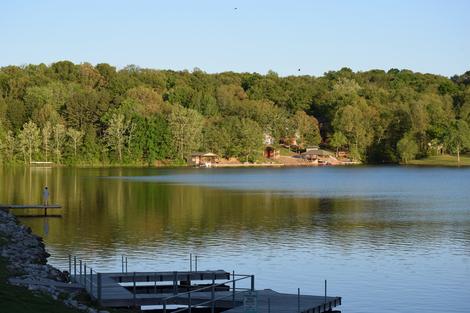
[8, 207]
[113, 294]
[29, 206]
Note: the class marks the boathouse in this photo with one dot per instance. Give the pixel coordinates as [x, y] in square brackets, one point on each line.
[319, 155]
[271, 153]
[203, 159]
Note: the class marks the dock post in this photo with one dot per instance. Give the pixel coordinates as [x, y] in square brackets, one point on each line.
[164, 306]
[190, 262]
[189, 301]
[213, 296]
[84, 275]
[233, 289]
[134, 288]
[91, 282]
[99, 287]
[155, 283]
[122, 263]
[126, 264]
[75, 268]
[252, 282]
[325, 290]
[175, 283]
[70, 264]
[80, 271]
[195, 263]
[298, 300]
[188, 278]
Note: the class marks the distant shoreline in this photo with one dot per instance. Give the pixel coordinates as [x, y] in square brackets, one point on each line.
[441, 160]
[432, 161]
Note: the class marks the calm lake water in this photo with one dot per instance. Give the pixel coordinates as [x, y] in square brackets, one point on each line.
[387, 239]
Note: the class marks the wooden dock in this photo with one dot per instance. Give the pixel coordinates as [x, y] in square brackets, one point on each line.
[9, 207]
[184, 291]
[274, 302]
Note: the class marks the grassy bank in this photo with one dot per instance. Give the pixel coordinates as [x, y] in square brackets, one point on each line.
[21, 300]
[18, 299]
[442, 160]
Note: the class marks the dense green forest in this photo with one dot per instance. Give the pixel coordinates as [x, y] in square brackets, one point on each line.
[84, 114]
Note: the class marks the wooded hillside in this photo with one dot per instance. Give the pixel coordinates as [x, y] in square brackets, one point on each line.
[83, 114]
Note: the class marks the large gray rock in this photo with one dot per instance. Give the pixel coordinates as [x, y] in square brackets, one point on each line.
[27, 259]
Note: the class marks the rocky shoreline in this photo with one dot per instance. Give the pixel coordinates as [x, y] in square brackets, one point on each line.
[26, 258]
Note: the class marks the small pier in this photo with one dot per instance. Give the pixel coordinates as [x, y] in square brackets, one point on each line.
[9, 207]
[178, 291]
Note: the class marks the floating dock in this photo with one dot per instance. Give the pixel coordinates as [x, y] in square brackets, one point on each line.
[8, 207]
[213, 291]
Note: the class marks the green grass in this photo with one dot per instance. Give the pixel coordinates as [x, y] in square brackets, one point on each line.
[21, 300]
[285, 151]
[442, 160]
[17, 299]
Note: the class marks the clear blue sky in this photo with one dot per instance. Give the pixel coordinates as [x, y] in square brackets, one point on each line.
[315, 36]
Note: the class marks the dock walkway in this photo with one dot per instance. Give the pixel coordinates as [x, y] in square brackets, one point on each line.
[8, 207]
[215, 290]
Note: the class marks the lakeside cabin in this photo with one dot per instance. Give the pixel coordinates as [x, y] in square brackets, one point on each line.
[322, 157]
[200, 159]
[271, 153]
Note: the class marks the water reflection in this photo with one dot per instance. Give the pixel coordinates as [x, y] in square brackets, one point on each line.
[382, 232]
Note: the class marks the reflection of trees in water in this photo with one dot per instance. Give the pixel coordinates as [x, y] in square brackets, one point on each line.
[108, 211]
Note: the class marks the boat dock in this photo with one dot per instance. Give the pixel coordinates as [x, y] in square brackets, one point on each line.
[178, 291]
[9, 207]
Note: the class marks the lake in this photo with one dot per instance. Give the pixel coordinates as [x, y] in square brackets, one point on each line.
[387, 239]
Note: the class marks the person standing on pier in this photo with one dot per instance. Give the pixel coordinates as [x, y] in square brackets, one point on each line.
[45, 196]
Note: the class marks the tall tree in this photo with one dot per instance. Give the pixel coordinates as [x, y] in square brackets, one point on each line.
[146, 101]
[115, 134]
[29, 140]
[186, 129]
[307, 129]
[407, 148]
[251, 139]
[338, 140]
[46, 137]
[156, 138]
[457, 137]
[76, 136]
[8, 147]
[58, 140]
[86, 107]
[354, 124]
[3, 149]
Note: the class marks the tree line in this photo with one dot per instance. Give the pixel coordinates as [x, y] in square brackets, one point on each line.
[83, 114]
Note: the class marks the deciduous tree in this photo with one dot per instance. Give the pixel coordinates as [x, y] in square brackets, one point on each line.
[338, 140]
[407, 148]
[307, 129]
[46, 136]
[115, 134]
[76, 136]
[58, 140]
[186, 129]
[457, 137]
[29, 140]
